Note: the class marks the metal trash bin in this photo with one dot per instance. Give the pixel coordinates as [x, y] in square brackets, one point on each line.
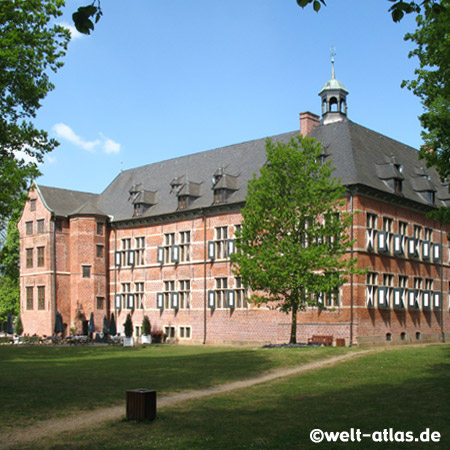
[141, 404]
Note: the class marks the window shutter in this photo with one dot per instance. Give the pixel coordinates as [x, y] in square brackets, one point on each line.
[118, 302]
[320, 299]
[436, 252]
[231, 299]
[211, 250]
[118, 259]
[160, 255]
[160, 300]
[398, 298]
[436, 301]
[398, 247]
[426, 300]
[412, 247]
[383, 297]
[425, 250]
[230, 247]
[130, 301]
[174, 300]
[131, 257]
[383, 241]
[211, 299]
[370, 235]
[369, 292]
[175, 253]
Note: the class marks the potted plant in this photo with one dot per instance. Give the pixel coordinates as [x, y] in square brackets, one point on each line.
[128, 340]
[146, 337]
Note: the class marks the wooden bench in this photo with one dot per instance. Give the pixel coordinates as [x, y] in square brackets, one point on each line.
[321, 340]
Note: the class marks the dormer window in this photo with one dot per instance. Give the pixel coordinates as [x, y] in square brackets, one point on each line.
[431, 197]
[223, 185]
[392, 174]
[141, 199]
[220, 195]
[186, 191]
[183, 202]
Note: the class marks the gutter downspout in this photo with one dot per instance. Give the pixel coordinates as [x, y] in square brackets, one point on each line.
[351, 276]
[54, 269]
[204, 277]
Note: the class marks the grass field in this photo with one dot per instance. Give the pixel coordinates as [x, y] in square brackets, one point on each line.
[405, 388]
[37, 383]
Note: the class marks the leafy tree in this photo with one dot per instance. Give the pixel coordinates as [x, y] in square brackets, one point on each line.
[432, 84]
[397, 10]
[293, 242]
[30, 47]
[9, 269]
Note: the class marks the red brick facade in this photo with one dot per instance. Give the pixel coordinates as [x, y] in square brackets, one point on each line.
[90, 265]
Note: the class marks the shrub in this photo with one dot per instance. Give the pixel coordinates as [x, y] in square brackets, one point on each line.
[146, 326]
[158, 337]
[18, 329]
[128, 326]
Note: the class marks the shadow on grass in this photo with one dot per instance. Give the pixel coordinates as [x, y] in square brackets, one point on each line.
[38, 383]
[406, 390]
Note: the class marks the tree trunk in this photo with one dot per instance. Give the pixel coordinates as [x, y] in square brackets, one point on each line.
[293, 338]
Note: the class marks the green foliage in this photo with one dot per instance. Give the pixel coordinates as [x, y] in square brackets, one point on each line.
[18, 327]
[293, 240]
[9, 269]
[82, 17]
[146, 326]
[128, 326]
[397, 10]
[30, 47]
[432, 84]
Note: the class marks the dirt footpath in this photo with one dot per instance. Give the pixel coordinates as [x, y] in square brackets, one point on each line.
[97, 417]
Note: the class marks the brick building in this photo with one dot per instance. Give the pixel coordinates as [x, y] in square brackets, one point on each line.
[157, 242]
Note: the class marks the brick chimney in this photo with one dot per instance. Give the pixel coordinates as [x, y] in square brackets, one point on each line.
[308, 121]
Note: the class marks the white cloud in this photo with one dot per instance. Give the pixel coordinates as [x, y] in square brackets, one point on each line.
[63, 131]
[74, 33]
[105, 143]
[22, 155]
[110, 146]
[50, 159]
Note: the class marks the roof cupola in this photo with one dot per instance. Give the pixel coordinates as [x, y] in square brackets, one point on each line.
[334, 98]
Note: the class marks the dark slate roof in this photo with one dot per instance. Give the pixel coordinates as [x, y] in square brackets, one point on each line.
[87, 209]
[360, 157]
[64, 202]
[357, 151]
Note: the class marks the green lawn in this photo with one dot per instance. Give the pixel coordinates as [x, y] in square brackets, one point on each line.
[38, 383]
[405, 388]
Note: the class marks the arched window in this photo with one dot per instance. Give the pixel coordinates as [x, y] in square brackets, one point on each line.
[333, 104]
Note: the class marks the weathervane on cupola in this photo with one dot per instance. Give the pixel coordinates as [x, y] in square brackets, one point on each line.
[334, 97]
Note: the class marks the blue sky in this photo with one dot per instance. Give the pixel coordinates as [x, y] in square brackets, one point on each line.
[161, 79]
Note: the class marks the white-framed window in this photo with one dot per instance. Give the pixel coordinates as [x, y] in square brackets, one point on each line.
[169, 242]
[184, 332]
[125, 289]
[139, 250]
[139, 296]
[221, 239]
[221, 292]
[124, 249]
[170, 332]
[169, 289]
[185, 245]
[184, 289]
[241, 294]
